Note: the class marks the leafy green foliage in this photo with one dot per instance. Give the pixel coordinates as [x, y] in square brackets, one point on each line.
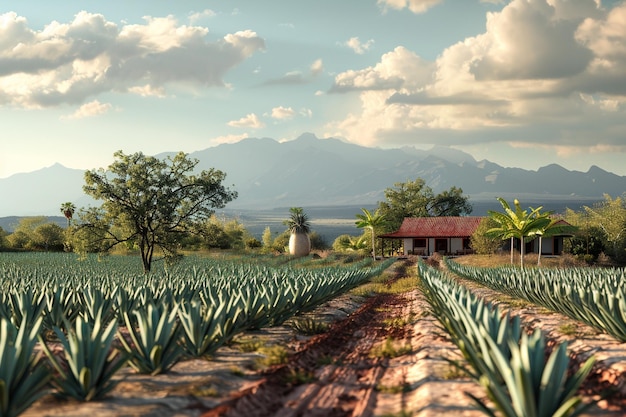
[518, 224]
[482, 244]
[298, 221]
[415, 199]
[610, 216]
[36, 233]
[372, 222]
[347, 243]
[151, 203]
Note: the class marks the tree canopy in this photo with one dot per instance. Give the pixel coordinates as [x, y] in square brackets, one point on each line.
[416, 199]
[610, 216]
[150, 203]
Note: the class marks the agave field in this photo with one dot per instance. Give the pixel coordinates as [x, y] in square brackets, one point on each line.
[595, 296]
[510, 364]
[76, 328]
[106, 314]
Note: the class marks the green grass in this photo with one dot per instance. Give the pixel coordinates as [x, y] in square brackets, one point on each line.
[390, 349]
[272, 355]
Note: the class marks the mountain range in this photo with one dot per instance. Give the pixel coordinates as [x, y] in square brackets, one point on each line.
[309, 171]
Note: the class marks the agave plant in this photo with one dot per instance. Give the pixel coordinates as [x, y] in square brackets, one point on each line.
[511, 365]
[60, 307]
[90, 362]
[23, 377]
[534, 386]
[155, 339]
[26, 308]
[203, 328]
[299, 227]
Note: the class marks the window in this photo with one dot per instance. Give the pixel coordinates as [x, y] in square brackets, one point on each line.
[419, 243]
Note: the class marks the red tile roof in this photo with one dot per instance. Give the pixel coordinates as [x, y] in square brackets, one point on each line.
[424, 227]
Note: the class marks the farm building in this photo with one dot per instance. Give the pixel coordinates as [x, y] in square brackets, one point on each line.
[426, 235]
[451, 236]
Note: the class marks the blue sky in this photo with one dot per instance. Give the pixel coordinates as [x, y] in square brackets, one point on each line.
[523, 83]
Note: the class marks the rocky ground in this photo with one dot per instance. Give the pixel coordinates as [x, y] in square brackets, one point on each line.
[382, 356]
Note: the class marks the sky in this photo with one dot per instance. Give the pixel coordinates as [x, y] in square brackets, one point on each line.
[522, 83]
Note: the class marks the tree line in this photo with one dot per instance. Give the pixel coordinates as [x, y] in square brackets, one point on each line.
[160, 208]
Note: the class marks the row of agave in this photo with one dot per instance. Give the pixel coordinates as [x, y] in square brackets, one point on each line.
[509, 363]
[188, 311]
[595, 296]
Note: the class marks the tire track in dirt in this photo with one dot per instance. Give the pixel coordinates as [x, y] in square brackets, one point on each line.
[345, 387]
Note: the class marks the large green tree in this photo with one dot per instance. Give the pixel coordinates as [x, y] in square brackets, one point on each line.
[610, 216]
[36, 233]
[416, 199]
[151, 203]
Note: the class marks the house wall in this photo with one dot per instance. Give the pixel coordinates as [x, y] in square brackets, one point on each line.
[454, 244]
[547, 245]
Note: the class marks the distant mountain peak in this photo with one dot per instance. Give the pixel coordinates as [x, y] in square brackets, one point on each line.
[307, 136]
[312, 171]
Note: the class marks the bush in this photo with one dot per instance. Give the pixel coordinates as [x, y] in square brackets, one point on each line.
[481, 244]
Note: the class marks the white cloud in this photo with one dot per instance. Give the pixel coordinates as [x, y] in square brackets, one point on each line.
[93, 108]
[195, 17]
[549, 72]
[250, 121]
[282, 113]
[148, 91]
[317, 67]
[416, 6]
[398, 69]
[72, 62]
[357, 46]
[524, 40]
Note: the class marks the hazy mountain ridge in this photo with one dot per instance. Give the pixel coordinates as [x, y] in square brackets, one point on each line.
[324, 172]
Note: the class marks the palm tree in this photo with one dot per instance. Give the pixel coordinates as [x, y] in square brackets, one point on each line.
[68, 209]
[299, 227]
[372, 222]
[517, 224]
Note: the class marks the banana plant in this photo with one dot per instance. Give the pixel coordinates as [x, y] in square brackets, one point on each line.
[517, 224]
[23, 376]
[155, 338]
[90, 362]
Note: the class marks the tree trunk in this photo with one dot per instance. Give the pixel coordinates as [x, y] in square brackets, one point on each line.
[373, 244]
[521, 252]
[512, 245]
[299, 244]
[539, 256]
